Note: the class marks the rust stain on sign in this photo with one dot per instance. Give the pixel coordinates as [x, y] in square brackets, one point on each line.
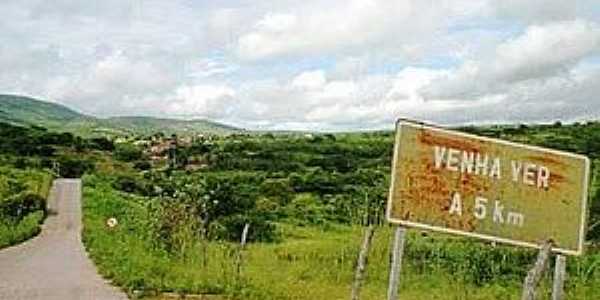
[459, 183]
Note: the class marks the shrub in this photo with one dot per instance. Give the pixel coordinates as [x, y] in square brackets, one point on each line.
[13, 233]
[127, 153]
[279, 189]
[176, 227]
[73, 167]
[102, 144]
[18, 206]
[143, 165]
[594, 229]
[307, 209]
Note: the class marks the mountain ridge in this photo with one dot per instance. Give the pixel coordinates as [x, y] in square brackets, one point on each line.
[29, 111]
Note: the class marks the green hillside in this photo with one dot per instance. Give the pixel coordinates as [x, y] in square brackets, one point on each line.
[27, 111]
[148, 125]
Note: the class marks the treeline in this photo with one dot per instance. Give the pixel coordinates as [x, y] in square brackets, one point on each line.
[36, 147]
[582, 138]
[308, 179]
[224, 182]
[263, 180]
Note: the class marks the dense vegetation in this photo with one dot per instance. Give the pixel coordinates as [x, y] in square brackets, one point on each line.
[22, 203]
[306, 198]
[181, 204]
[30, 157]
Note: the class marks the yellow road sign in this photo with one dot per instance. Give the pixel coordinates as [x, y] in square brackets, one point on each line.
[459, 183]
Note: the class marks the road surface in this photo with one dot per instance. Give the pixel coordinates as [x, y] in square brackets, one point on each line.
[54, 265]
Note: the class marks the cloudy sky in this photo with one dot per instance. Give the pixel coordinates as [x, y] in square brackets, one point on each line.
[353, 64]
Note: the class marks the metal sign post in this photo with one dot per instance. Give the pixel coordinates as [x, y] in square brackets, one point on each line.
[396, 262]
[558, 283]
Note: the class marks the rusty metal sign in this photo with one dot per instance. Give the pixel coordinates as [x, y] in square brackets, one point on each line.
[463, 184]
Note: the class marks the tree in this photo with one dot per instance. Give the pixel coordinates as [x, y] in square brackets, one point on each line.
[127, 153]
[103, 144]
[74, 168]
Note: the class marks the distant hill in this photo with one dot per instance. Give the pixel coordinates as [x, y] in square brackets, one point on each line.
[27, 111]
[149, 125]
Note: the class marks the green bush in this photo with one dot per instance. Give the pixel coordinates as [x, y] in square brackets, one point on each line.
[132, 184]
[127, 152]
[12, 233]
[306, 209]
[74, 167]
[143, 165]
[15, 208]
[594, 229]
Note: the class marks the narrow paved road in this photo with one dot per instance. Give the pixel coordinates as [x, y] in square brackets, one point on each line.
[54, 265]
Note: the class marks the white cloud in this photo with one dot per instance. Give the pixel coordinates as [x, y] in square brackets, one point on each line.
[309, 80]
[410, 80]
[112, 85]
[309, 97]
[545, 49]
[208, 101]
[536, 11]
[210, 67]
[276, 23]
[542, 51]
[344, 26]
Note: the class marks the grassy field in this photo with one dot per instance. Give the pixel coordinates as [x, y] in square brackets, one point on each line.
[309, 262]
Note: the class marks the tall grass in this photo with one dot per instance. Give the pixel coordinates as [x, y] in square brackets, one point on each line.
[14, 182]
[12, 233]
[309, 263]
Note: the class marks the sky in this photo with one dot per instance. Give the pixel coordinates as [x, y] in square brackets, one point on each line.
[308, 65]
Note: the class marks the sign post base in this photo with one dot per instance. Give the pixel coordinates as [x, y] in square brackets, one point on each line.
[535, 274]
[396, 262]
[558, 283]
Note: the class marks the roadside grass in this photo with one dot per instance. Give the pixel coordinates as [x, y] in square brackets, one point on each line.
[310, 262]
[30, 180]
[12, 233]
[17, 229]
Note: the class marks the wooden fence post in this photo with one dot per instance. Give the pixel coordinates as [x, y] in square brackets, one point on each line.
[535, 274]
[558, 283]
[396, 263]
[239, 257]
[361, 263]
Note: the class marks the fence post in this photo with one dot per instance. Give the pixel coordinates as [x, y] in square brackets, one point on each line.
[362, 262]
[239, 256]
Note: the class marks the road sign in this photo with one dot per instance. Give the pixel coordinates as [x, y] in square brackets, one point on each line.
[463, 184]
